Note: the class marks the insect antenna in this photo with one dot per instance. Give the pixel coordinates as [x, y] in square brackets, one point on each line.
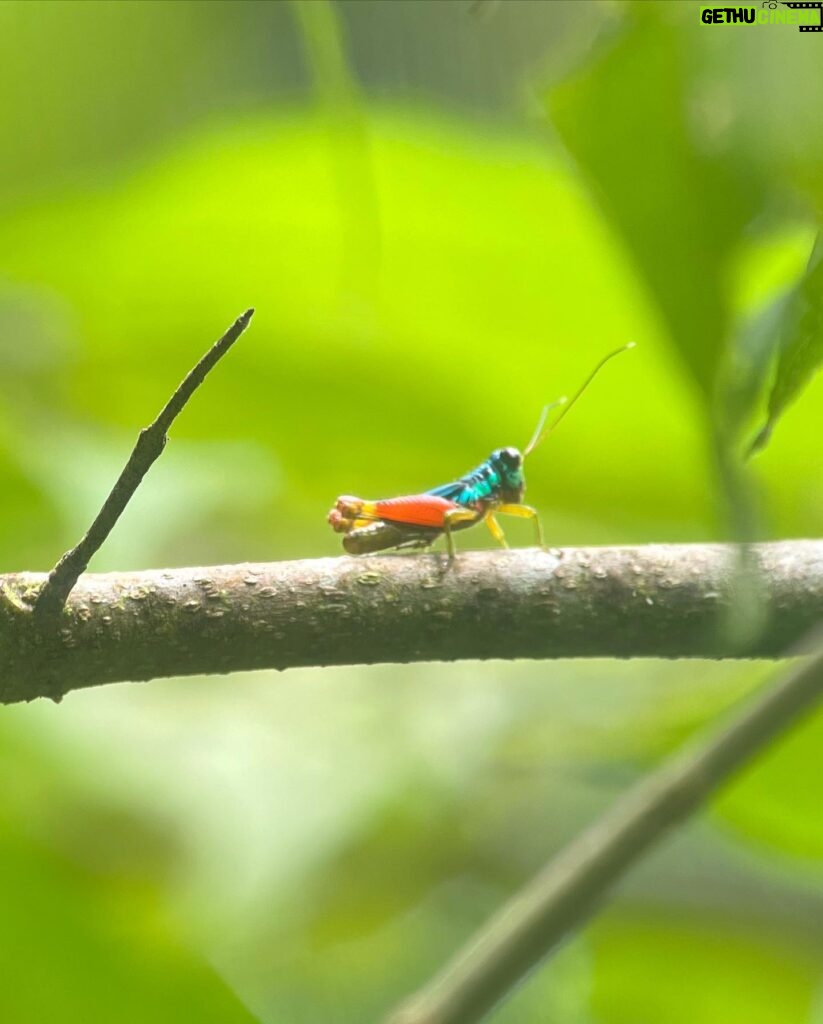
[541, 430]
[537, 436]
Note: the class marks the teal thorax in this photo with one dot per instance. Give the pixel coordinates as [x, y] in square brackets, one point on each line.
[500, 478]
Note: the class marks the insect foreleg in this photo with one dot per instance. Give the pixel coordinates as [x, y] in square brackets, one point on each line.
[495, 529]
[525, 512]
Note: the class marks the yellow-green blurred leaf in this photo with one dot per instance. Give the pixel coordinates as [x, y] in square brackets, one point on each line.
[672, 971]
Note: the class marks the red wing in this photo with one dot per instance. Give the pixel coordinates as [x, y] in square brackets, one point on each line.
[412, 510]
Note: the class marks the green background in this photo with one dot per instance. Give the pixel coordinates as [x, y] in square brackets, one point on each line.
[444, 214]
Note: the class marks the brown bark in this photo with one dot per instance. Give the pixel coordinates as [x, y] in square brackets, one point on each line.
[655, 601]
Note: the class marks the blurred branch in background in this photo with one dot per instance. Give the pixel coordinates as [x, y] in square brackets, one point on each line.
[563, 896]
[349, 152]
[653, 601]
[150, 443]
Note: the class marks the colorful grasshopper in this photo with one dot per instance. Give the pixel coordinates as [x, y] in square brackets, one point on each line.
[417, 520]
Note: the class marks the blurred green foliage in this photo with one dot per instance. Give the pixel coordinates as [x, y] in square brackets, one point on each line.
[800, 338]
[429, 266]
[680, 207]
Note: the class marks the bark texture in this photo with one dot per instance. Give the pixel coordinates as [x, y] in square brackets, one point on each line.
[655, 601]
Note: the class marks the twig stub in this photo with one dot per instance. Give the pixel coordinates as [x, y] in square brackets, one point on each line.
[150, 443]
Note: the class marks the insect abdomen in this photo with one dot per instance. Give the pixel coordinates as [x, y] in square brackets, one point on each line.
[365, 540]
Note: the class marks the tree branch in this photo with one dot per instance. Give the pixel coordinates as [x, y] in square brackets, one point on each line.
[150, 443]
[654, 601]
[530, 925]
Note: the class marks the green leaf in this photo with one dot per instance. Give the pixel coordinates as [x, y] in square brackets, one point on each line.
[680, 211]
[751, 357]
[669, 971]
[800, 340]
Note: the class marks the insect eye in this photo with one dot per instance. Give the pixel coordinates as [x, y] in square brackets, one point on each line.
[511, 456]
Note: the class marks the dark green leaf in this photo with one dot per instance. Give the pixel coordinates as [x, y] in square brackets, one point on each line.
[680, 211]
[800, 338]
